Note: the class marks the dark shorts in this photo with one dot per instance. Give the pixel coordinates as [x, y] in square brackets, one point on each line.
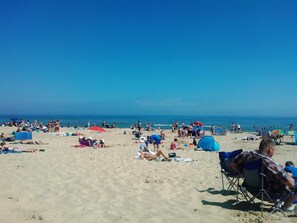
[157, 141]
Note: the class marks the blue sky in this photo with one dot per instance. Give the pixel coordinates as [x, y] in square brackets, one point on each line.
[148, 57]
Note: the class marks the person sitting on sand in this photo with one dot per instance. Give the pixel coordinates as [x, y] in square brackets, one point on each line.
[149, 155]
[290, 168]
[102, 144]
[7, 138]
[175, 145]
[278, 139]
[92, 142]
[143, 146]
[145, 153]
[153, 156]
[194, 142]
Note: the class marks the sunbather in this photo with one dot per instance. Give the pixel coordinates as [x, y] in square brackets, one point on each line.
[33, 142]
[145, 153]
[17, 150]
[92, 142]
[152, 155]
[84, 142]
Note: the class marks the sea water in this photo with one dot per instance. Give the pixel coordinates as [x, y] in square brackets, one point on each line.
[248, 124]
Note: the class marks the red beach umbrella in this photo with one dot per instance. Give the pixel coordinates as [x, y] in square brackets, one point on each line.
[278, 132]
[97, 128]
[198, 123]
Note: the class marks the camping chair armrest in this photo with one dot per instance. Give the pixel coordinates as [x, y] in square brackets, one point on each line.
[287, 188]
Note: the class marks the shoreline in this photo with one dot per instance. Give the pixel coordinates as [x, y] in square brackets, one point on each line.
[125, 121]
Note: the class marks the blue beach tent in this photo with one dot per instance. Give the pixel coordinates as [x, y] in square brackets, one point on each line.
[208, 143]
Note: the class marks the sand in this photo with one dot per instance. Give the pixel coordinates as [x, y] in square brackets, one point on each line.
[67, 184]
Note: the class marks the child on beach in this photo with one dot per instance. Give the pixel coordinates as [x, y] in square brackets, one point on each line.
[102, 144]
[290, 168]
[175, 145]
[194, 142]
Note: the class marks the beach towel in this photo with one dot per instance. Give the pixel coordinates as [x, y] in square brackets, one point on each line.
[80, 146]
[9, 151]
[183, 160]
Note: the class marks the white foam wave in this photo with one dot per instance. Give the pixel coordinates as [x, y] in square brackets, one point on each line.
[162, 125]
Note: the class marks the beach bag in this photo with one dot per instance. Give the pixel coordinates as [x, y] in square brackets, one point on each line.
[171, 155]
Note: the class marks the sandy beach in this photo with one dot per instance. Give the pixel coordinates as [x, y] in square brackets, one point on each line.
[67, 184]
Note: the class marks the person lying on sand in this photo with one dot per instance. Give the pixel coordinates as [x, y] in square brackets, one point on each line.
[17, 150]
[33, 142]
[145, 153]
[84, 142]
[152, 155]
[4, 148]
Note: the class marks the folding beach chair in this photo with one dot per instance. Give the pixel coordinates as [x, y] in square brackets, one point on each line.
[227, 171]
[253, 187]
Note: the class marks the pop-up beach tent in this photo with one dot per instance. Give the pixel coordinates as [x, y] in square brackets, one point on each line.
[208, 143]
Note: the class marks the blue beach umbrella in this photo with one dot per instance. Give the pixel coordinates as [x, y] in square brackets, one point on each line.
[14, 119]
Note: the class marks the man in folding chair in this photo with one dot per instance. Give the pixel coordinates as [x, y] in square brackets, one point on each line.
[278, 180]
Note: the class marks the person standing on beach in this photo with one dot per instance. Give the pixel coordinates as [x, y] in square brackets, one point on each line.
[238, 128]
[139, 126]
[155, 140]
[212, 130]
[233, 127]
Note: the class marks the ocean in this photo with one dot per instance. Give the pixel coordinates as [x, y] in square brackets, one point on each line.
[248, 124]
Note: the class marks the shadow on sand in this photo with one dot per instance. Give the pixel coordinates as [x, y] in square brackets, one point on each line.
[231, 204]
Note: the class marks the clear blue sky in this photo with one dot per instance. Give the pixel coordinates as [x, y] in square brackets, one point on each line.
[148, 57]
